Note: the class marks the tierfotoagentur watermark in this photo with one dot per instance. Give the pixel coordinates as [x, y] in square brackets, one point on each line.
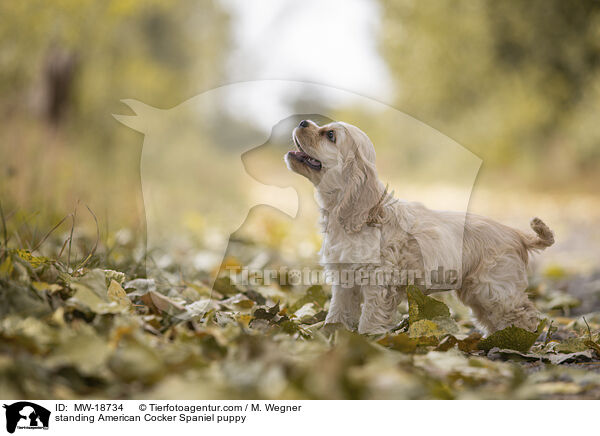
[344, 277]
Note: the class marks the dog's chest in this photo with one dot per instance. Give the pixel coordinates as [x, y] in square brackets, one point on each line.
[358, 248]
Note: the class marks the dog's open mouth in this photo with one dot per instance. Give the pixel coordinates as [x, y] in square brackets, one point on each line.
[301, 156]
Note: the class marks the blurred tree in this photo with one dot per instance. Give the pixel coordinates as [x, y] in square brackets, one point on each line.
[155, 51]
[59, 70]
[516, 82]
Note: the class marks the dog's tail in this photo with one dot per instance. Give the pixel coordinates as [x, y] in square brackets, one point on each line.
[543, 238]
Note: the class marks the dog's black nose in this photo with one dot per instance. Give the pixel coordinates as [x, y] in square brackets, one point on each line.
[303, 123]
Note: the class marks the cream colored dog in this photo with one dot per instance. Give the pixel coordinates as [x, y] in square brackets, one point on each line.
[367, 230]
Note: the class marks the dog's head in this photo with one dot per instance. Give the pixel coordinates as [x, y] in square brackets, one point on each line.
[338, 158]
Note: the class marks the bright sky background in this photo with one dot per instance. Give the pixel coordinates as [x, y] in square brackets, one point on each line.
[332, 42]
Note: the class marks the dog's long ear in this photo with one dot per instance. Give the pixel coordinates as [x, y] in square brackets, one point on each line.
[361, 190]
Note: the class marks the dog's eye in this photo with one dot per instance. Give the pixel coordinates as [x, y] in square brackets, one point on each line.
[331, 135]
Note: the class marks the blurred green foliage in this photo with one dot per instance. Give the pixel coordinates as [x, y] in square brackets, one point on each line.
[65, 65]
[154, 51]
[516, 82]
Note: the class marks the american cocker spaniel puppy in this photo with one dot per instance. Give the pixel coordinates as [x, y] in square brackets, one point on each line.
[385, 244]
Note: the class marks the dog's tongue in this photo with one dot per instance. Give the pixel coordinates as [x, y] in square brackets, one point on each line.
[302, 156]
[305, 156]
[312, 161]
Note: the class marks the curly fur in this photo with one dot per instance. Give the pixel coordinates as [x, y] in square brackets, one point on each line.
[365, 228]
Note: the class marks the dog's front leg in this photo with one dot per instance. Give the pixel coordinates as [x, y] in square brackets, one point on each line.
[344, 307]
[379, 309]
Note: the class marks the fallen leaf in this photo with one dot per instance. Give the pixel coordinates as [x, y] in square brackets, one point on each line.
[557, 359]
[134, 360]
[421, 306]
[43, 286]
[512, 338]
[140, 286]
[447, 343]
[571, 345]
[82, 349]
[91, 292]
[400, 342]
[469, 344]
[314, 294]
[244, 319]
[159, 302]
[117, 294]
[237, 302]
[225, 286]
[6, 268]
[438, 327]
[34, 261]
[117, 276]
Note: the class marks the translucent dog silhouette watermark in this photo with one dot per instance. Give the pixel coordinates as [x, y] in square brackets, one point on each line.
[229, 141]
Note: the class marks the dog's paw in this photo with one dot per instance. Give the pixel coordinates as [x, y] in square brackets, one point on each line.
[329, 328]
[372, 330]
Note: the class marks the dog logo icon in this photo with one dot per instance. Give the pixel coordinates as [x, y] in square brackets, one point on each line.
[26, 415]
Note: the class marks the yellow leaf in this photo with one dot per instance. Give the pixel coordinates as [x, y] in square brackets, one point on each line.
[6, 268]
[245, 319]
[117, 294]
[230, 263]
[424, 327]
[43, 286]
[34, 261]
[400, 342]
[437, 327]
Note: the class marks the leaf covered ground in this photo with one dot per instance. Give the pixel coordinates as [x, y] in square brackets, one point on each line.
[98, 327]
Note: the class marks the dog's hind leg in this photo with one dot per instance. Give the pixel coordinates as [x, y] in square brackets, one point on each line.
[497, 298]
